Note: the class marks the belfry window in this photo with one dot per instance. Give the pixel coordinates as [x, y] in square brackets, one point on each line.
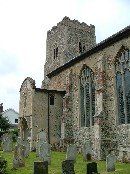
[122, 67]
[55, 52]
[87, 92]
[82, 48]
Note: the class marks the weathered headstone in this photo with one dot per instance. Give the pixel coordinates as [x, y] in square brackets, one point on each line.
[18, 159]
[42, 135]
[68, 167]
[92, 168]
[7, 142]
[87, 149]
[19, 140]
[110, 162]
[71, 152]
[26, 145]
[27, 149]
[88, 157]
[40, 167]
[45, 152]
[41, 138]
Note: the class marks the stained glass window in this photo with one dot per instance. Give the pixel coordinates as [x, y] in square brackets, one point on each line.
[87, 92]
[122, 66]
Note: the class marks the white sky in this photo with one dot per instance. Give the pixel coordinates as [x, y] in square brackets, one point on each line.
[23, 28]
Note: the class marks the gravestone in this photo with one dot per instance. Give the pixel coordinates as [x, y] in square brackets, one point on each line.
[42, 135]
[88, 157]
[19, 140]
[40, 167]
[41, 138]
[110, 163]
[7, 142]
[18, 158]
[92, 168]
[27, 149]
[26, 145]
[71, 152]
[87, 149]
[45, 152]
[68, 167]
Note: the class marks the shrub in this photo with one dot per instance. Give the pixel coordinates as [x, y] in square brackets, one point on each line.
[3, 165]
[14, 135]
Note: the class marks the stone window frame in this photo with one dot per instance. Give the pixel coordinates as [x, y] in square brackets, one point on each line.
[118, 65]
[55, 51]
[51, 99]
[90, 90]
[82, 47]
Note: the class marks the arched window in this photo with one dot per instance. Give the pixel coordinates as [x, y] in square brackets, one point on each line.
[55, 53]
[87, 92]
[122, 67]
[82, 48]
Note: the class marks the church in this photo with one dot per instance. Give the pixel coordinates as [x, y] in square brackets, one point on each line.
[85, 92]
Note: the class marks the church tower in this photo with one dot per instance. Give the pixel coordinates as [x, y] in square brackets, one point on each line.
[66, 41]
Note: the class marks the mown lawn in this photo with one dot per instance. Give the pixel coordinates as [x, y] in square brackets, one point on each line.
[55, 167]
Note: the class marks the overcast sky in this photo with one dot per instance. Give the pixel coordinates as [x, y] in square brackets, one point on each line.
[23, 28]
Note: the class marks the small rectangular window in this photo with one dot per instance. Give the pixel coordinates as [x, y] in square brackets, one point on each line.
[80, 47]
[54, 53]
[57, 52]
[16, 120]
[51, 99]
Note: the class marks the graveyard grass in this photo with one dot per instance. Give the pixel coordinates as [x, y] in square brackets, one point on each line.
[55, 167]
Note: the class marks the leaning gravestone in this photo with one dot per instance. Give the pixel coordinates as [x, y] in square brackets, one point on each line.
[68, 167]
[45, 152]
[41, 138]
[87, 149]
[110, 163]
[40, 167]
[71, 152]
[92, 168]
[18, 159]
[7, 142]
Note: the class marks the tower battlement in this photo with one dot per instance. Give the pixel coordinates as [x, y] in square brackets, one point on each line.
[67, 22]
[68, 39]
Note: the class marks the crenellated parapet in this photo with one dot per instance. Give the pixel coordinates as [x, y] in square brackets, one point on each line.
[67, 22]
[68, 39]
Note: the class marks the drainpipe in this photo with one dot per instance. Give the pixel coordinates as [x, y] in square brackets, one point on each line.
[48, 120]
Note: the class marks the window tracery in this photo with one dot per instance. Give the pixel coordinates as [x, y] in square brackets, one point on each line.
[87, 92]
[122, 67]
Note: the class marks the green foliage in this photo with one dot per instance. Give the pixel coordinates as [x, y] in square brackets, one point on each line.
[15, 131]
[3, 165]
[4, 123]
[14, 134]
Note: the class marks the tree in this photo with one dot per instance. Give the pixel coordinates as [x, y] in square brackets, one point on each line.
[4, 123]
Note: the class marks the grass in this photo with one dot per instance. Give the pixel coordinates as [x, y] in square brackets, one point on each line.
[55, 167]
